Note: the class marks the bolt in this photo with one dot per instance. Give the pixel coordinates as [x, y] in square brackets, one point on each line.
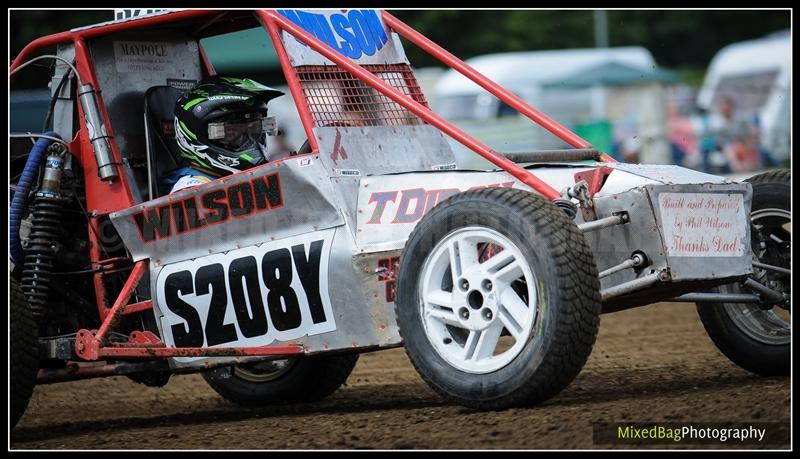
[487, 285]
[464, 313]
[487, 314]
[464, 284]
[664, 276]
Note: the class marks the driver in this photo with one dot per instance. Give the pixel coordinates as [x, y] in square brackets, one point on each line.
[221, 127]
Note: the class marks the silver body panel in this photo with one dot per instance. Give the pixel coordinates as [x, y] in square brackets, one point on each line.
[718, 245]
[379, 150]
[307, 205]
[316, 202]
[646, 232]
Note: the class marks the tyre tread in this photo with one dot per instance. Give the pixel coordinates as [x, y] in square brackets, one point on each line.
[319, 377]
[736, 346]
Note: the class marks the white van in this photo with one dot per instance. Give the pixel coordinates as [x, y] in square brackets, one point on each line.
[756, 74]
[616, 89]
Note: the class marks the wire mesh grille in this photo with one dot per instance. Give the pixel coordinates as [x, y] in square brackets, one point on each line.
[338, 98]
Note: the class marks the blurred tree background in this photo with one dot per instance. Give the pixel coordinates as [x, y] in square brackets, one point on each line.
[27, 25]
[679, 39]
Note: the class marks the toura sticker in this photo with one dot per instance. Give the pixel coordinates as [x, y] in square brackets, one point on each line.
[276, 291]
[410, 205]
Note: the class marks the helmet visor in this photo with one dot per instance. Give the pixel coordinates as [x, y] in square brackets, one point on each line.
[238, 134]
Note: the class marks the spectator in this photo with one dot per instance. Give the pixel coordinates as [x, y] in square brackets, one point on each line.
[737, 138]
[682, 138]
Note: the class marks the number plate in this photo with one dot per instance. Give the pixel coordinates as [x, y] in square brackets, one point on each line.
[253, 296]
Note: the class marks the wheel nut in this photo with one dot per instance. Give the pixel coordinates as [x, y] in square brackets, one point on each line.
[487, 285]
[464, 284]
[464, 313]
[487, 314]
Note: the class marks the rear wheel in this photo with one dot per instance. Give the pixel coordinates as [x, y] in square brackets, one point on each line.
[282, 381]
[498, 299]
[24, 353]
[758, 337]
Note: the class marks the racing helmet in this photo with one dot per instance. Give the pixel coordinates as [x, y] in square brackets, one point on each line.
[221, 124]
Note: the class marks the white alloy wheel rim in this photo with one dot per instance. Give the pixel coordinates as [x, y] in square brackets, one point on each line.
[468, 300]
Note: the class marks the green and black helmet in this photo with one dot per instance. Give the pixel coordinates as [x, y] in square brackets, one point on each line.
[221, 124]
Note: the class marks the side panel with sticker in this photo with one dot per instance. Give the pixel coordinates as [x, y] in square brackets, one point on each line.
[389, 207]
[253, 296]
[266, 203]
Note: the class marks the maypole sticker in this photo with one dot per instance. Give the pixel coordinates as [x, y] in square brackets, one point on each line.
[142, 56]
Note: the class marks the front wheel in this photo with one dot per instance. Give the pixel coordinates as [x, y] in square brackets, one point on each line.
[758, 337]
[498, 299]
[284, 381]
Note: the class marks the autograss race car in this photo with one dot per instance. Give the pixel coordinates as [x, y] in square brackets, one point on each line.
[271, 281]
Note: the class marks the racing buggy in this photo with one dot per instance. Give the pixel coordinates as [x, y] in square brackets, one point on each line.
[271, 281]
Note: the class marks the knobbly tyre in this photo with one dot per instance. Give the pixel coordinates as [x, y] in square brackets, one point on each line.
[271, 281]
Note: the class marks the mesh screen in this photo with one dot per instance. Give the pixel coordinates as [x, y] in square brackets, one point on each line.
[338, 98]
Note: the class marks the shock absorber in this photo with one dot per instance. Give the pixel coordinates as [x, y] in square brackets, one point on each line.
[46, 221]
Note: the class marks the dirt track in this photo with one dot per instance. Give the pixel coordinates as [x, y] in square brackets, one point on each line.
[649, 364]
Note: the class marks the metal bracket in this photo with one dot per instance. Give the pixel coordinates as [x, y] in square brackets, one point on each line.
[594, 179]
[579, 191]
